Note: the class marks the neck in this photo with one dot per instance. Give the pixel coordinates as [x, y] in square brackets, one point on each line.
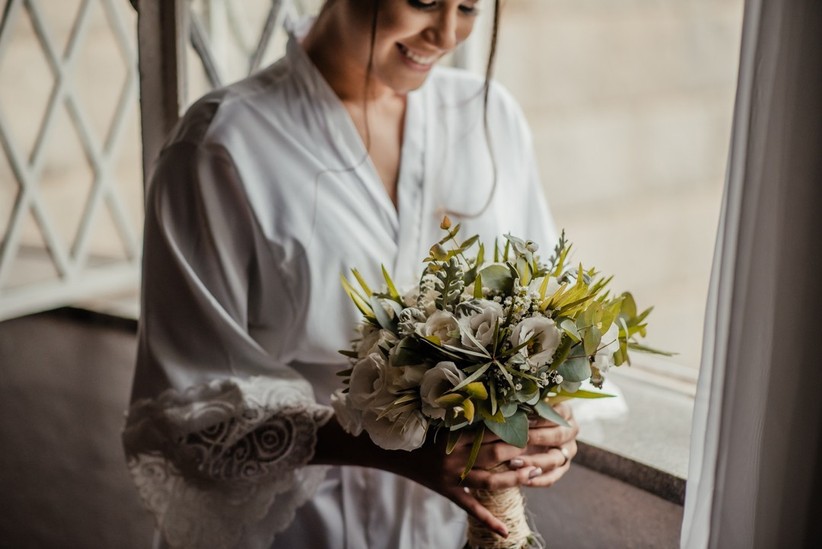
[343, 70]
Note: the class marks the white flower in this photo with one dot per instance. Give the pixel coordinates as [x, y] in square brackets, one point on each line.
[368, 387]
[609, 344]
[481, 325]
[401, 378]
[371, 342]
[444, 326]
[436, 382]
[349, 418]
[544, 336]
[410, 297]
[404, 431]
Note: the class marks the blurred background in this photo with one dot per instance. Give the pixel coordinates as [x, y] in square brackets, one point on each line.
[630, 103]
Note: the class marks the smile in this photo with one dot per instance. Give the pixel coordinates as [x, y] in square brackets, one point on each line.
[425, 61]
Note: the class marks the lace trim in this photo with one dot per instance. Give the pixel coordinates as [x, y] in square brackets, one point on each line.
[210, 461]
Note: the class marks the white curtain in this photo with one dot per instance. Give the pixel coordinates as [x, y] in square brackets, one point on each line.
[755, 477]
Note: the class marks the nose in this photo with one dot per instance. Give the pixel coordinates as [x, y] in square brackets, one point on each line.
[443, 30]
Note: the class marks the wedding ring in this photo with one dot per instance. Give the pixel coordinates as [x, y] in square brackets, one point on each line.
[565, 454]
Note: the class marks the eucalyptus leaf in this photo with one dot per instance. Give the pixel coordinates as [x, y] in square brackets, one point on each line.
[497, 277]
[576, 368]
[508, 409]
[546, 411]
[513, 430]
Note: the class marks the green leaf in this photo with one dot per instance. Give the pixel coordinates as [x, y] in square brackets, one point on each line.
[575, 369]
[508, 409]
[476, 390]
[645, 349]
[472, 457]
[478, 286]
[358, 300]
[497, 277]
[452, 440]
[591, 339]
[546, 411]
[570, 328]
[379, 311]
[392, 289]
[362, 282]
[582, 393]
[468, 410]
[514, 430]
[407, 353]
[473, 377]
[450, 400]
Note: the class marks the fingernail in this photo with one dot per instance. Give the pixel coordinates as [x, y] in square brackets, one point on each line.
[535, 472]
[503, 532]
[516, 463]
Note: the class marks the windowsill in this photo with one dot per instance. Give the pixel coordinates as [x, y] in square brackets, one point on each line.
[641, 437]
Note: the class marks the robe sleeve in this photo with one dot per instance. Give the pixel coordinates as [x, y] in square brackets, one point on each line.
[220, 428]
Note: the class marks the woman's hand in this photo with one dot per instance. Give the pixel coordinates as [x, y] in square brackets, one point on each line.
[540, 463]
[550, 449]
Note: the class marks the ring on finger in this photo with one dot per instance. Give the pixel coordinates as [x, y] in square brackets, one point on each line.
[564, 451]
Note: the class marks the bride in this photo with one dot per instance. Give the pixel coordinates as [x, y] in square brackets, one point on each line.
[346, 152]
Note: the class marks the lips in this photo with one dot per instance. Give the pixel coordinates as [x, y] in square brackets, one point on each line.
[423, 60]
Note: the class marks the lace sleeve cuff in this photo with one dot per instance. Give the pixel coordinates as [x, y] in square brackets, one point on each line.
[209, 462]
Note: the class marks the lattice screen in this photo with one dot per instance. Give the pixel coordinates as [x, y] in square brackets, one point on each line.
[70, 173]
[70, 163]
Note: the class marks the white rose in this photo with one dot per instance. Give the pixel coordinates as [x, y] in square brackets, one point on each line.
[481, 325]
[444, 326]
[371, 342]
[436, 382]
[400, 378]
[608, 345]
[368, 388]
[544, 336]
[349, 418]
[405, 431]
[410, 297]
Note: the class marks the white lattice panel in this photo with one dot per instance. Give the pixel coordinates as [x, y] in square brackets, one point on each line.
[69, 230]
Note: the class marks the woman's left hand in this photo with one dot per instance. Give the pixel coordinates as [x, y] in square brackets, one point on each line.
[551, 448]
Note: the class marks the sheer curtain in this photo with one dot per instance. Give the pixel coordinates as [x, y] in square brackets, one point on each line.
[755, 475]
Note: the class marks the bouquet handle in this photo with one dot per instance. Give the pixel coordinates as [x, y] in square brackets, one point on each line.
[508, 505]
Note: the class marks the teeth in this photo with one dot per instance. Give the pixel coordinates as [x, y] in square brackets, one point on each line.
[417, 58]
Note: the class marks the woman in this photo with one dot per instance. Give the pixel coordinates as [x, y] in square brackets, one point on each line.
[345, 153]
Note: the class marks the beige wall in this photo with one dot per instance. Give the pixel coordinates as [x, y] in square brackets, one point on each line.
[630, 103]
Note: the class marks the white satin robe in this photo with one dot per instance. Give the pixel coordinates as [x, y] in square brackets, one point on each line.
[263, 196]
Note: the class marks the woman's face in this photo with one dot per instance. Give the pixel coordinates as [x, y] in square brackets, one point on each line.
[412, 35]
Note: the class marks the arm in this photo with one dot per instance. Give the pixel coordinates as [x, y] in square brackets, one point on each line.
[219, 428]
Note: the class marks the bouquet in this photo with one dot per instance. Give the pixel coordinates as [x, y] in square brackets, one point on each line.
[482, 346]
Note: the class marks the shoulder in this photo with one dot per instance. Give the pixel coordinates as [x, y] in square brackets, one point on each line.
[222, 109]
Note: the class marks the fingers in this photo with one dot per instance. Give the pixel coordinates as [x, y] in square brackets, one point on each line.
[464, 499]
[496, 453]
[498, 480]
[548, 437]
[552, 464]
[549, 478]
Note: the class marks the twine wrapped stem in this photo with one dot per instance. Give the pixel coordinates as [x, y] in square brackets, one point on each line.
[508, 505]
